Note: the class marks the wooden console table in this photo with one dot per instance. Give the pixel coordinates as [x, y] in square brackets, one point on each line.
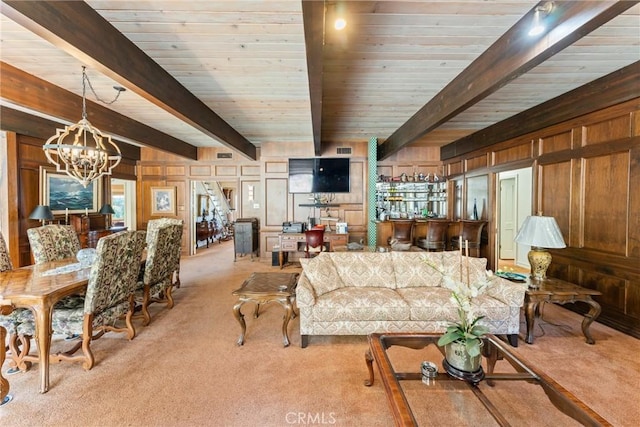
[290, 242]
[89, 239]
[559, 292]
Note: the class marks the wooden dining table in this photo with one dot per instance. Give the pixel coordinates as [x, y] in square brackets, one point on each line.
[38, 288]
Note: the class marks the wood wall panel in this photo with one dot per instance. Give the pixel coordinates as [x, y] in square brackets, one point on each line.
[608, 130]
[178, 170]
[250, 170]
[276, 167]
[152, 170]
[250, 199]
[275, 201]
[200, 170]
[477, 162]
[613, 289]
[455, 168]
[557, 142]
[634, 203]
[226, 170]
[554, 185]
[606, 196]
[511, 154]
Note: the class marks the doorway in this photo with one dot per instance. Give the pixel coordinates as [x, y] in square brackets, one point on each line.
[213, 211]
[123, 202]
[514, 205]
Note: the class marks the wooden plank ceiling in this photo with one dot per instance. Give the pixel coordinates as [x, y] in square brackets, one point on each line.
[242, 73]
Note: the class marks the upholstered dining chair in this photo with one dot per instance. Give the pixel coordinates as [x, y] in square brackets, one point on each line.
[159, 267]
[53, 242]
[314, 242]
[177, 242]
[109, 298]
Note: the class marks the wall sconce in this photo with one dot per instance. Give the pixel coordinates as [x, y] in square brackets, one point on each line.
[42, 212]
[540, 232]
[541, 12]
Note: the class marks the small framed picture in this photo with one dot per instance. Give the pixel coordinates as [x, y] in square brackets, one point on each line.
[163, 200]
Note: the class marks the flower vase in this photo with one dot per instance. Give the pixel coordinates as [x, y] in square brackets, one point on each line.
[460, 365]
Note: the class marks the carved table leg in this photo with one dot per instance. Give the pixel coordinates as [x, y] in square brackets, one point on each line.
[4, 383]
[368, 358]
[593, 313]
[240, 317]
[288, 310]
[530, 309]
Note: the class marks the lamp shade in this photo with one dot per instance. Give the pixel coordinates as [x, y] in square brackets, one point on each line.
[106, 209]
[41, 212]
[540, 231]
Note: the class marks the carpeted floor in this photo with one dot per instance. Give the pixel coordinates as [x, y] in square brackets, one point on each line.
[185, 369]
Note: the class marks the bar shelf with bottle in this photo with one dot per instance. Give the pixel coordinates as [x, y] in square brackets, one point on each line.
[396, 200]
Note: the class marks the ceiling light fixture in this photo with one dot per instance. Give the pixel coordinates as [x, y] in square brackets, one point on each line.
[340, 24]
[538, 26]
[80, 150]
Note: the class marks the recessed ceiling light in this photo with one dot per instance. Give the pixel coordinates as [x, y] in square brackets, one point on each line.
[340, 24]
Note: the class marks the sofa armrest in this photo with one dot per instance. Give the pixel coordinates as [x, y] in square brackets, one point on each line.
[305, 294]
[508, 292]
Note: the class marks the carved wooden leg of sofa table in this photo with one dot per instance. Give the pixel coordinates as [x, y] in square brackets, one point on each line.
[369, 360]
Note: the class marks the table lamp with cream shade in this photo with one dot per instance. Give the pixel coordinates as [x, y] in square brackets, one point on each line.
[541, 233]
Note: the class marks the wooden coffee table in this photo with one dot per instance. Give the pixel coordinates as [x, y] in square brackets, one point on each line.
[559, 292]
[513, 392]
[262, 288]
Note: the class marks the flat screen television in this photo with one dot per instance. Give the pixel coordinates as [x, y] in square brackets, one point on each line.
[319, 175]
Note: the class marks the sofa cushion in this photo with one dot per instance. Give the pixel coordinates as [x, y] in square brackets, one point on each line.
[416, 269]
[360, 304]
[430, 303]
[365, 269]
[322, 273]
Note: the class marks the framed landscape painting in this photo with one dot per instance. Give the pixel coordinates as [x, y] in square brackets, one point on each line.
[61, 192]
[163, 200]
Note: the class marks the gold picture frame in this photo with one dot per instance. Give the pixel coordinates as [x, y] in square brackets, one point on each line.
[65, 194]
[163, 200]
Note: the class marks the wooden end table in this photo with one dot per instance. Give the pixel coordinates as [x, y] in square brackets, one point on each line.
[262, 288]
[559, 292]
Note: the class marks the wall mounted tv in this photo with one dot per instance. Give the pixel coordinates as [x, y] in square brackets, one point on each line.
[319, 175]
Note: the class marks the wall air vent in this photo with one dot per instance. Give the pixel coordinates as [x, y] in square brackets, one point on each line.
[224, 155]
[344, 150]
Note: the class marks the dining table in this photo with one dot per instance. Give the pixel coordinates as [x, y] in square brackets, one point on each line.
[38, 288]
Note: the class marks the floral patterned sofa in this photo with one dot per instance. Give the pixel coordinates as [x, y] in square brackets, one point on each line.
[358, 293]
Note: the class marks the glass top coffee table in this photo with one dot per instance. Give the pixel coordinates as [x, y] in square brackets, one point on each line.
[512, 393]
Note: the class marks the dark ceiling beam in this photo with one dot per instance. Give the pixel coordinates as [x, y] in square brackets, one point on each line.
[620, 86]
[313, 18]
[38, 127]
[510, 56]
[33, 93]
[81, 32]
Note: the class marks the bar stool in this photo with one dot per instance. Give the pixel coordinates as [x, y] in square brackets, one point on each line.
[401, 231]
[470, 231]
[436, 238]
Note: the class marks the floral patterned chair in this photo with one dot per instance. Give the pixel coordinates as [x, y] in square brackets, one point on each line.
[177, 241]
[109, 297]
[156, 282]
[18, 344]
[53, 242]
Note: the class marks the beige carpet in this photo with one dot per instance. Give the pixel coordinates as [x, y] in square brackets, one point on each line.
[186, 370]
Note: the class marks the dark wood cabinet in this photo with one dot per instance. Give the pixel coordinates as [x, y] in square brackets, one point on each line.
[89, 239]
[205, 230]
[245, 237]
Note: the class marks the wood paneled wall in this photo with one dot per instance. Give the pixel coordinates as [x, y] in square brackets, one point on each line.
[586, 175]
[25, 158]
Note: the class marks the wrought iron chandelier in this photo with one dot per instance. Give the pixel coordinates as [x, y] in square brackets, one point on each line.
[80, 150]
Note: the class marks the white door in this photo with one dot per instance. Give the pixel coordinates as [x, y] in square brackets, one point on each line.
[507, 218]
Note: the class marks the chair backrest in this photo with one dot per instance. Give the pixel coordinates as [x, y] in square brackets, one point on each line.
[177, 227]
[5, 261]
[159, 263]
[314, 238]
[402, 231]
[472, 231]
[53, 242]
[114, 273]
[437, 230]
